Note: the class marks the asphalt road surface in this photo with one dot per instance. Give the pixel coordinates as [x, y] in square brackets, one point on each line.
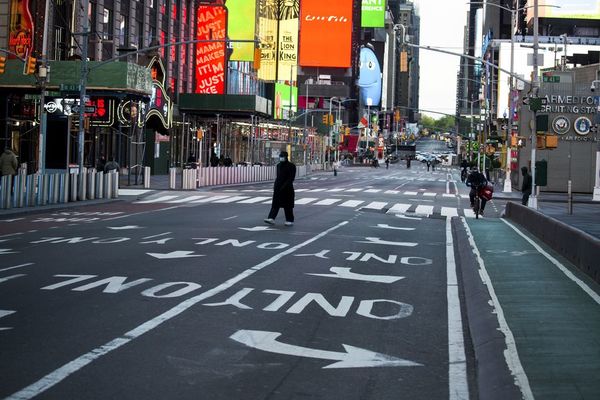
[189, 295]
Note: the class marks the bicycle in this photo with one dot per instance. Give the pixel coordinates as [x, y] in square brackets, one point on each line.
[463, 175]
[477, 204]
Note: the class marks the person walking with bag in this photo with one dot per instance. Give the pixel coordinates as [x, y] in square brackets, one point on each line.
[283, 191]
[8, 162]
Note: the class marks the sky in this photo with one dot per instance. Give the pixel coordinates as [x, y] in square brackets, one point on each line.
[442, 25]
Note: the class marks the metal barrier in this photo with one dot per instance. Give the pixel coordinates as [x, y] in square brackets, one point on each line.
[23, 190]
[146, 177]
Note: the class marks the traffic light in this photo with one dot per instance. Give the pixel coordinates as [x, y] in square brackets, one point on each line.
[30, 66]
[2, 64]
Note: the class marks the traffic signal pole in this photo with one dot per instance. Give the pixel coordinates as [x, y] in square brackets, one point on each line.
[82, 95]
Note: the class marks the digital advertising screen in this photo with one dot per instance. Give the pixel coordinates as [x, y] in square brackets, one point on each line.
[210, 55]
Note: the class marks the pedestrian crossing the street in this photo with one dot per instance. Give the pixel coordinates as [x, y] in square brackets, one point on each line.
[424, 210]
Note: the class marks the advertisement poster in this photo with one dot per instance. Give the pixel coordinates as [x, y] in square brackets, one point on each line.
[210, 56]
[20, 39]
[267, 33]
[241, 26]
[326, 38]
[285, 97]
[287, 54]
[372, 14]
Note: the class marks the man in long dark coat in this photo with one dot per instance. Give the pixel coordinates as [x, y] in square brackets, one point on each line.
[283, 191]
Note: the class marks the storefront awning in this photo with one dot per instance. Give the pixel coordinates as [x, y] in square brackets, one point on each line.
[64, 75]
[225, 104]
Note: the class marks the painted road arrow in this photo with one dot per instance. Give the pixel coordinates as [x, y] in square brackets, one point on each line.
[353, 357]
[258, 229]
[344, 273]
[386, 226]
[125, 227]
[7, 251]
[175, 254]
[376, 240]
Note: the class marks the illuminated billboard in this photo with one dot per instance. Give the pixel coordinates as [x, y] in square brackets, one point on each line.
[369, 80]
[267, 34]
[287, 53]
[210, 55]
[326, 33]
[283, 94]
[572, 9]
[20, 40]
[372, 13]
[241, 25]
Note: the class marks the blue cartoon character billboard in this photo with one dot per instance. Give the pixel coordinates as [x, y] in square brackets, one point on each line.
[369, 79]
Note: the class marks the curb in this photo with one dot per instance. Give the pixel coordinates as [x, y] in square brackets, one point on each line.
[53, 207]
[577, 246]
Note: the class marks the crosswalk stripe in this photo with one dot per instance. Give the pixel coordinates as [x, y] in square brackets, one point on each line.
[353, 190]
[399, 208]
[410, 193]
[449, 212]
[464, 196]
[448, 195]
[317, 190]
[306, 200]
[327, 202]
[372, 190]
[392, 191]
[375, 205]
[231, 199]
[427, 210]
[351, 203]
[209, 199]
[301, 190]
[162, 199]
[336, 190]
[469, 213]
[429, 194]
[187, 199]
[252, 200]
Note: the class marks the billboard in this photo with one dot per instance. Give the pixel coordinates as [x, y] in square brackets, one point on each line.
[326, 33]
[369, 80]
[572, 9]
[210, 56]
[283, 94]
[267, 34]
[372, 14]
[287, 52]
[241, 24]
[20, 27]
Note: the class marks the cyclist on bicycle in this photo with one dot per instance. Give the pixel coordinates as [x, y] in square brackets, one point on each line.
[476, 180]
[464, 165]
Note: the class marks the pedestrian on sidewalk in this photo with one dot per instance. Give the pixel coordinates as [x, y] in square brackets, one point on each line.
[428, 165]
[8, 162]
[525, 186]
[111, 165]
[387, 163]
[283, 191]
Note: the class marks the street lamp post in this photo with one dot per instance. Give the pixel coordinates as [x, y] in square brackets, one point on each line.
[329, 142]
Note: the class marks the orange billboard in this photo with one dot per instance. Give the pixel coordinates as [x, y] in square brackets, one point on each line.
[210, 52]
[325, 33]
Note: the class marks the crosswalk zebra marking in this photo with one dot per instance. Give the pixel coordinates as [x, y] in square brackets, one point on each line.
[317, 190]
[209, 199]
[392, 192]
[468, 213]
[375, 205]
[186, 199]
[448, 195]
[351, 203]
[410, 193]
[231, 199]
[327, 202]
[372, 190]
[157, 200]
[252, 200]
[399, 208]
[354, 190]
[305, 200]
[336, 190]
[425, 210]
[449, 212]
[429, 194]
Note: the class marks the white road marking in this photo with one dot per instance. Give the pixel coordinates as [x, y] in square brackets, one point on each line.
[448, 195]
[301, 190]
[124, 227]
[186, 199]
[353, 190]
[336, 190]
[399, 208]
[209, 199]
[345, 273]
[351, 203]
[399, 228]
[468, 213]
[317, 190]
[429, 194]
[252, 200]
[327, 202]
[174, 254]
[449, 212]
[61, 373]
[457, 360]
[258, 229]
[375, 205]
[231, 199]
[392, 192]
[510, 354]
[16, 266]
[305, 200]
[133, 192]
[372, 191]
[410, 193]
[425, 210]
[161, 199]
[4, 313]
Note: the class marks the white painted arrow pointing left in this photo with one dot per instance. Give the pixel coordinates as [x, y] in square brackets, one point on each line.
[352, 357]
[345, 273]
[386, 226]
[376, 240]
[175, 254]
[258, 229]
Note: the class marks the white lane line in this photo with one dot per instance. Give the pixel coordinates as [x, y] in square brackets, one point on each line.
[354, 190]
[392, 192]
[410, 193]
[449, 212]
[426, 210]
[429, 194]
[399, 208]
[252, 200]
[510, 354]
[209, 199]
[231, 199]
[186, 199]
[336, 190]
[327, 202]
[375, 205]
[71, 367]
[457, 360]
[557, 263]
[351, 203]
[468, 213]
[448, 184]
[372, 191]
[133, 192]
[162, 199]
[306, 200]
[16, 266]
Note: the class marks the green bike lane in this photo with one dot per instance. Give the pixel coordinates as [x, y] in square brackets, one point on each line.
[547, 311]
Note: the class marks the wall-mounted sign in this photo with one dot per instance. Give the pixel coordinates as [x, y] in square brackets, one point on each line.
[561, 125]
[582, 126]
[100, 110]
[267, 34]
[210, 54]
[20, 39]
[241, 24]
[287, 50]
[372, 14]
[569, 104]
[160, 103]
